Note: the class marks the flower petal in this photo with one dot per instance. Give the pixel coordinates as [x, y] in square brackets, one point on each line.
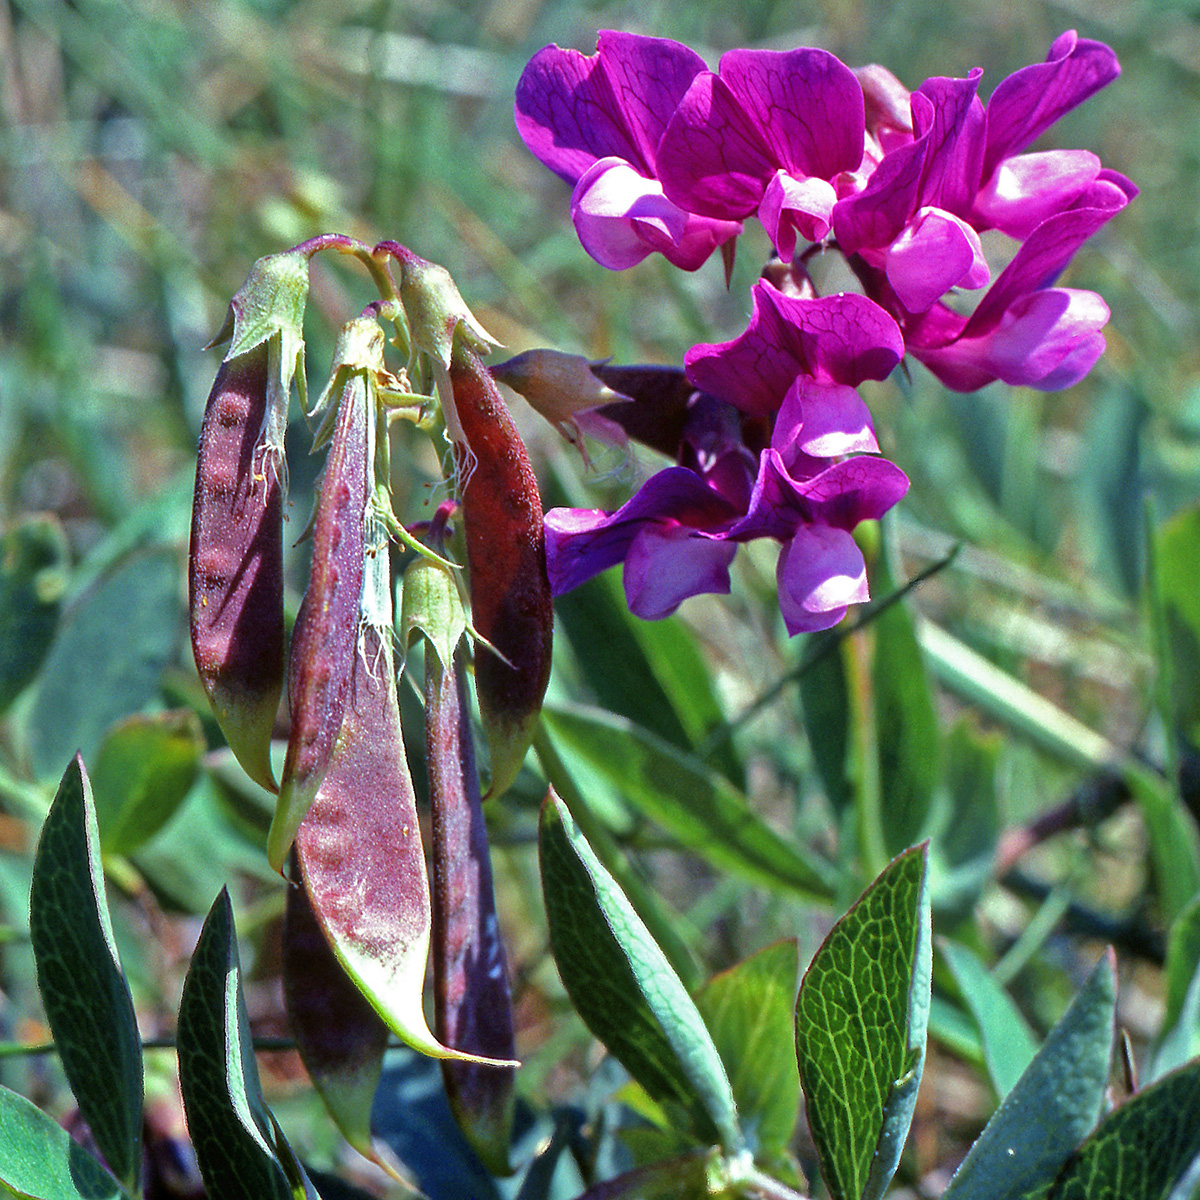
[939, 168]
[572, 109]
[621, 217]
[668, 563]
[1030, 100]
[1047, 339]
[1025, 190]
[808, 105]
[844, 338]
[820, 572]
[823, 420]
[712, 158]
[581, 543]
[1044, 254]
[796, 206]
[935, 252]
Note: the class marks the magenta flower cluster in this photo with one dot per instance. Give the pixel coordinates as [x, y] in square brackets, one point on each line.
[769, 433]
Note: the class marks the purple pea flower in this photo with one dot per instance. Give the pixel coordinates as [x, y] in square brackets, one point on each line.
[596, 121]
[793, 372]
[768, 133]
[670, 536]
[919, 214]
[1025, 331]
[820, 571]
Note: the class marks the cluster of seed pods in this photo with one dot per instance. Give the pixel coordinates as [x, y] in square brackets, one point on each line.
[362, 917]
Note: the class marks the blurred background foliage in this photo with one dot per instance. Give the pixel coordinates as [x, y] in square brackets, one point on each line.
[151, 150]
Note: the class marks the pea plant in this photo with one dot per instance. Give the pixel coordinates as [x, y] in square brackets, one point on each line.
[430, 634]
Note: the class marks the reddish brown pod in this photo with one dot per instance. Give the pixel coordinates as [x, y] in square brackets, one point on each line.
[235, 577]
[360, 855]
[327, 626]
[511, 607]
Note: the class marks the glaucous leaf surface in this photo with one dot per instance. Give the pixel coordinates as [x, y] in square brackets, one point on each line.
[624, 988]
[1052, 1106]
[83, 987]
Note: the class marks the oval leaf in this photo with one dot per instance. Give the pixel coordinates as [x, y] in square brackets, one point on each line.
[1053, 1105]
[83, 988]
[1179, 1035]
[1008, 1043]
[860, 1029]
[622, 985]
[748, 1010]
[145, 768]
[1139, 1150]
[906, 726]
[107, 659]
[231, 1130]
[38, 1157]
[33, 565]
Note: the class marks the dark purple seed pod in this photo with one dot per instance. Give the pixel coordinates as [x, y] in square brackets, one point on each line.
[326, 632]
[472, 1002]
[235, 575]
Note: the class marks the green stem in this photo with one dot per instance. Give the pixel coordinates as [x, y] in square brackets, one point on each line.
[819, 649]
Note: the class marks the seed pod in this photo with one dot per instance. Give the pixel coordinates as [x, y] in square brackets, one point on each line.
[511, 606]
[472, 1004]
[341, 1038]
[236, 562]
[235, 577]
[327, 625]
[360, 855]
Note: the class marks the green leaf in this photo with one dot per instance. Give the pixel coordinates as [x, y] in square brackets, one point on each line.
[1177, 555]
[83, 988]
[906, 726]
[38, 1158]
[204, 845]
[648, 671]
[1174, 844]
[33, 565]
[861, 1019]
[748, 1010]
[1179, 1036]
[623, 987]
[825, 703]
[233, 1134]
[145, 767]
[1052, 1106]
[107, 659]
[1008, 1042]
[1140, 1149]
[966, 825]
[695, 804]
